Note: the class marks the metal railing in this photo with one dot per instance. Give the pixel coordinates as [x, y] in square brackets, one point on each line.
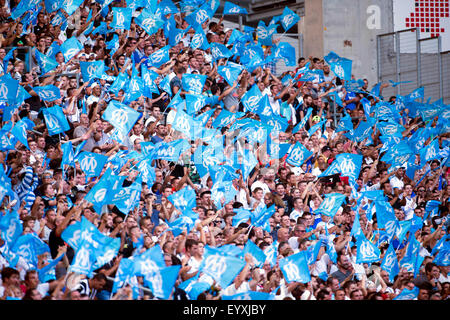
[413, 62]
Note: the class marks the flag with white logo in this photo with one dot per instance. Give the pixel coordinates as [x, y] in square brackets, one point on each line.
[121, 116]
[55, 120]
[91, 163]
[295, 268]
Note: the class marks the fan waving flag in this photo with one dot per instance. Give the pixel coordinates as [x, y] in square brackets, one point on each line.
[46, 64]
[295, 268]
[230, 8]
[230, 72]
[219, 51]
[366, 252]
[193, 83]
[48, 93]
[298, 155]
[70, 48]
[91, 163]
[331, 204]
[121, 116]
[183, 199]
[55, 120]
[92, 70]
[288, 19]
[149, 22]
[341, 67]
[221, 268]
[121, 18]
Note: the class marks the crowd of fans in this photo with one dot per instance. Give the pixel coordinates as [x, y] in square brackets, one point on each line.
[49, 197]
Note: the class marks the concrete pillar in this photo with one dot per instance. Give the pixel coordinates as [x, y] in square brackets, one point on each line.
[311, 25]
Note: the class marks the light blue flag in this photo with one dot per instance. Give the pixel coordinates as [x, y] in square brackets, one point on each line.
[440, 244]
[242, 216]
[249, 162]
[230, 72]
[331, 204]
[20, 130]
[230, 8]
[130, 197]
[386, 218]
[350, 165]
[149, 22]
[312, 252]
[91, 163]
[70, 48]
[402, 229]
[184, 222]
[8, 89]
[159, 57]
[184, 199]
[341, 67]
[55, 120]
[198, 17]
[222, 193]
[29, 246]
[443, 256]
[277, 150]
[162, 281]
[316, 127]
[345, 124]
[286, 52]
[295, 268]
[53, 5]
[194, 102]
[199, 40]
[11, 227]
[121, 116]
[184, 123]
[265, 33]
[193, 83]
[193, 287]
[125, 274]
[408, 294]
[390, 128]
[390, 263]
[84, 259]
[46, 64]
[121, 18]
[101, 29]
[146, 171]
[170, 151]
[298, 155]
[363, 131]
[430, 152]
[119, 83]
[165, 85]
[113, 44]
[288, 19]
[135, 88]
[259, 257]
[418, 93]
[71, 6]
[92, 69]
[68, 157]
[251, 99]
[148, 78]
[302, 123]
[223, 269]
[219, 51]
[237, 37]
[48, 92]
[366, 252]
[261, 219]
[48, 272]
[356, 228]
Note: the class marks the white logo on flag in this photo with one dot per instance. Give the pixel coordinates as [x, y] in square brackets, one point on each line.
[197, 41]
[296, 155]
[99, 196]
[149, 23]
[287, 20]
[120, 117]
[262, 32]
[88, 164]
[347, 166]
[253, 101]
[91, 69]
[201, 16]
[215, 264]
[157, 56]
[339, 71]
[366, 250]
[82, 259]
[52, 122]
[3, 91]
[120, 19]
[195, 85]
[292, 271]
[328, 204]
